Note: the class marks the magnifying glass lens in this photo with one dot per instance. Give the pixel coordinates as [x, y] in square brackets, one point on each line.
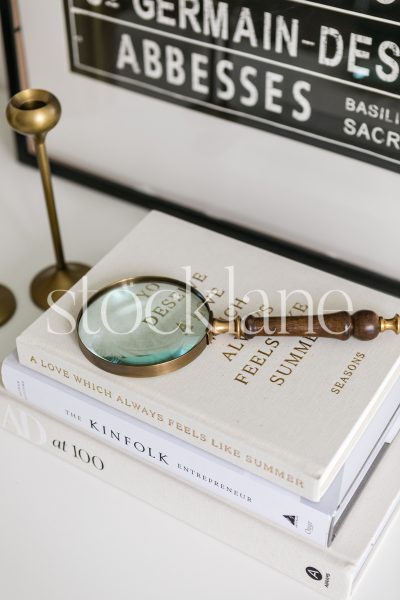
[142, 323]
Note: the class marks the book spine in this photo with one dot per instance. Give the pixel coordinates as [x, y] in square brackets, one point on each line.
[110, 390]
[179, 459]
[306, 563]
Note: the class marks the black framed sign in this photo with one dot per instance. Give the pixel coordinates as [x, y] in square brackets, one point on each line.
[325, 72]
[276, 121]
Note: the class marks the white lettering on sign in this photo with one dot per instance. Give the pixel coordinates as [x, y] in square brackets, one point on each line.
[322, 72]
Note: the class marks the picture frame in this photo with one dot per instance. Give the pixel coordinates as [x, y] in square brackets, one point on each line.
[273, 236]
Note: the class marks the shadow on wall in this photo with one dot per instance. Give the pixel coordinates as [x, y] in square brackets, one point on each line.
[3, 78]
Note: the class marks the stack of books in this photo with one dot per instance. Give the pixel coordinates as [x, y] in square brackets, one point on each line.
[284, 448]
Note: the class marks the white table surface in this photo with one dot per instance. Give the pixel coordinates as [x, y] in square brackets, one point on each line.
[65, 535]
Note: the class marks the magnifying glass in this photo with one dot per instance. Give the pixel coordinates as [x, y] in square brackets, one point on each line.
[147, 326]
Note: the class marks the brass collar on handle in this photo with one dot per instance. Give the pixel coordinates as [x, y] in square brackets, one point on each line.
[390, 324]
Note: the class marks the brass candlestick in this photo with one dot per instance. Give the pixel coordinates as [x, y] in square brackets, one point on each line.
[7, 304]
[36, 112]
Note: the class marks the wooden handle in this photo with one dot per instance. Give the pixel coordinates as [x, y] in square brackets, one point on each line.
[363, 325]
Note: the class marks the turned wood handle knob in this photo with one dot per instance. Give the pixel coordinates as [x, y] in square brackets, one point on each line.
[364, 325]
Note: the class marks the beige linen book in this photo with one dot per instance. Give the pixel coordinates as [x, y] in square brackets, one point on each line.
[287, 409]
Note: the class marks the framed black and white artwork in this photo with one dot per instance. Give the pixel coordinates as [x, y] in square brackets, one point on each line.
[277, 121]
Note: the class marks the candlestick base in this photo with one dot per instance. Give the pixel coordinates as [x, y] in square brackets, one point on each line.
[8, 304]
[56, 282]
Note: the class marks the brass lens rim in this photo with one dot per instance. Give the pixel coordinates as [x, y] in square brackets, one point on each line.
[161, 368]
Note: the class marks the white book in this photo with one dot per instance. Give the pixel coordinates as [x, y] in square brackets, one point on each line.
[334, 571]
[293, 420]
[316, 521]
